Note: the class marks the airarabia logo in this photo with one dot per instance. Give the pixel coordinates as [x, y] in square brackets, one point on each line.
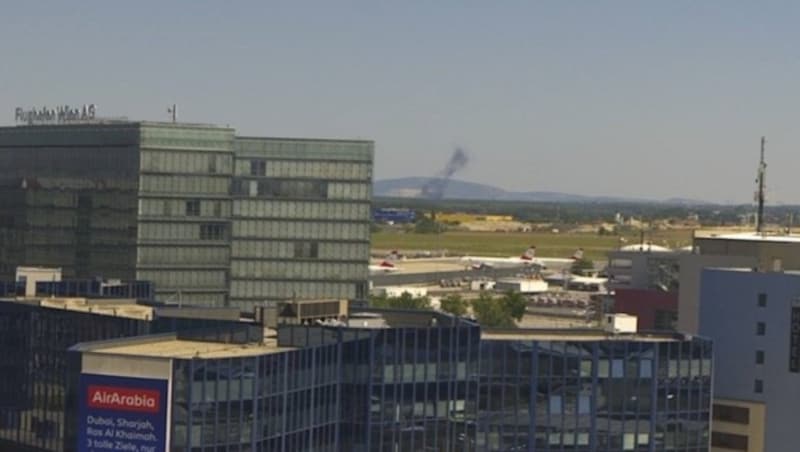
[124, 399]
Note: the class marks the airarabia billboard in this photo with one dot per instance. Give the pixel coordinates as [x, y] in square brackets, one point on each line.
[122, 414]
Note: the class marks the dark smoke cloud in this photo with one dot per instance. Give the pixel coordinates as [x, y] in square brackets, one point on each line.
[434, 188]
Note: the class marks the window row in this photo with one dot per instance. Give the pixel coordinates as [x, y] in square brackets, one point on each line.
[186, 279]
[47, 199]
[272, 188]
[305, 169]
[183, 137]
[64, 219]
[183, 255]
[301, 230]
[184, 184]
[183, 232]
[277, 290]
[72, 163]
[308, 149]
[302, 210]
[288, 250]
[182, 208]
[186, 162]
[301, 189]
[298, 270]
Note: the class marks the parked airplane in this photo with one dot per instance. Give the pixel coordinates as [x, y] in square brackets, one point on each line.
[577, 282]
[387, 265]
[528, 258]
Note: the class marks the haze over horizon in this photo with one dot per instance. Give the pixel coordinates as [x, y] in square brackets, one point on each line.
[624, 98]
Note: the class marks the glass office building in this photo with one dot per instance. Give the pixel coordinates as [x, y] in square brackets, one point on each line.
[209, 217]
[301, 218]
[35, 335]
[423, 382]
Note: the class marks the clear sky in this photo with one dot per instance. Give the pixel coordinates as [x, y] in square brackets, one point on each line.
[627, 98]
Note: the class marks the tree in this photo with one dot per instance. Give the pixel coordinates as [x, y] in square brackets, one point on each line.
[427, 225]
[581, 265]
[491, 312]
[404, 301]
[514, 304]
[454, 304]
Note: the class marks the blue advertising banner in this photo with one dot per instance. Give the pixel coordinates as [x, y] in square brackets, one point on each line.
[122, 414]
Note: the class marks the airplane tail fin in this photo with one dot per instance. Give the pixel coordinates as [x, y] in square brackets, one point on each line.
[530, 253]
[578, 255]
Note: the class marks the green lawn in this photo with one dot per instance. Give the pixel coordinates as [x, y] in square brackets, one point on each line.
[514, 243]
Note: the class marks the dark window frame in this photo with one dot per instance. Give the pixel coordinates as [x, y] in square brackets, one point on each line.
[213, 231]
[732, 414]
[729, 440]
[306, 250]
[192, 208]
[258, 167]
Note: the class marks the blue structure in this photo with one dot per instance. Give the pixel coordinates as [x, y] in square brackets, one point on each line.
[754, 320]
[393, 215]
[417, 381]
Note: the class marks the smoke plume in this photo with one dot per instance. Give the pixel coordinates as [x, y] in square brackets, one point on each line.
[434, 188]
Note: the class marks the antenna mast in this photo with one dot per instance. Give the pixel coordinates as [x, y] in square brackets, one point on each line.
[761, 181]
[173, 111]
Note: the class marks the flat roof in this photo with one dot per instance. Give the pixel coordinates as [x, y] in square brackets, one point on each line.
[749, 236]
[113, 307]
[179, 348]
[575, 335]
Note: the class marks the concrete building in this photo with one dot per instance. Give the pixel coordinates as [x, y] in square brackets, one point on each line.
[746, 250]
[209, 217]
[753, 318]
[643, 266]
[656, 310]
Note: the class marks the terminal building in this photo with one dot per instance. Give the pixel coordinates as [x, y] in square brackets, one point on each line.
[183, 379]
[211, 218]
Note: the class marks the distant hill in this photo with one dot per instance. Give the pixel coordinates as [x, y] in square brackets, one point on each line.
[411, 187]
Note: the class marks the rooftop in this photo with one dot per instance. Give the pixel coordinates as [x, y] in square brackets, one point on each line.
[116, 307]
[126, 307]
[749, 236]
[574, 335]
[171, 347]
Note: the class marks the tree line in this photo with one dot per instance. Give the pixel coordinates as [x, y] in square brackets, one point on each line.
[488, 309]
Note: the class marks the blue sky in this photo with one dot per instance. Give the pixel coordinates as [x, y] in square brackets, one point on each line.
[645, 99]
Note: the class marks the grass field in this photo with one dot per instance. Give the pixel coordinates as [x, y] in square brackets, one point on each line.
[514, 243]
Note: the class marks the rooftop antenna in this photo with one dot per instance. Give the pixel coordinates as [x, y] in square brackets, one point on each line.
[761, 181]
[173, 110]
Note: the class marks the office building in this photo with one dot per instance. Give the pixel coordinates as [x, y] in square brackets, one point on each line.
[753, 318]
[36, 332]
[209, 217]
[746, 250]
[395, 380]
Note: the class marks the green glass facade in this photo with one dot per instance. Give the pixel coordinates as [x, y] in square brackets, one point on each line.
[301, 214]
[210, 218]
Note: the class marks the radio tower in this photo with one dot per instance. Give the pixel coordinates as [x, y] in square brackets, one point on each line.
[761, 181]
